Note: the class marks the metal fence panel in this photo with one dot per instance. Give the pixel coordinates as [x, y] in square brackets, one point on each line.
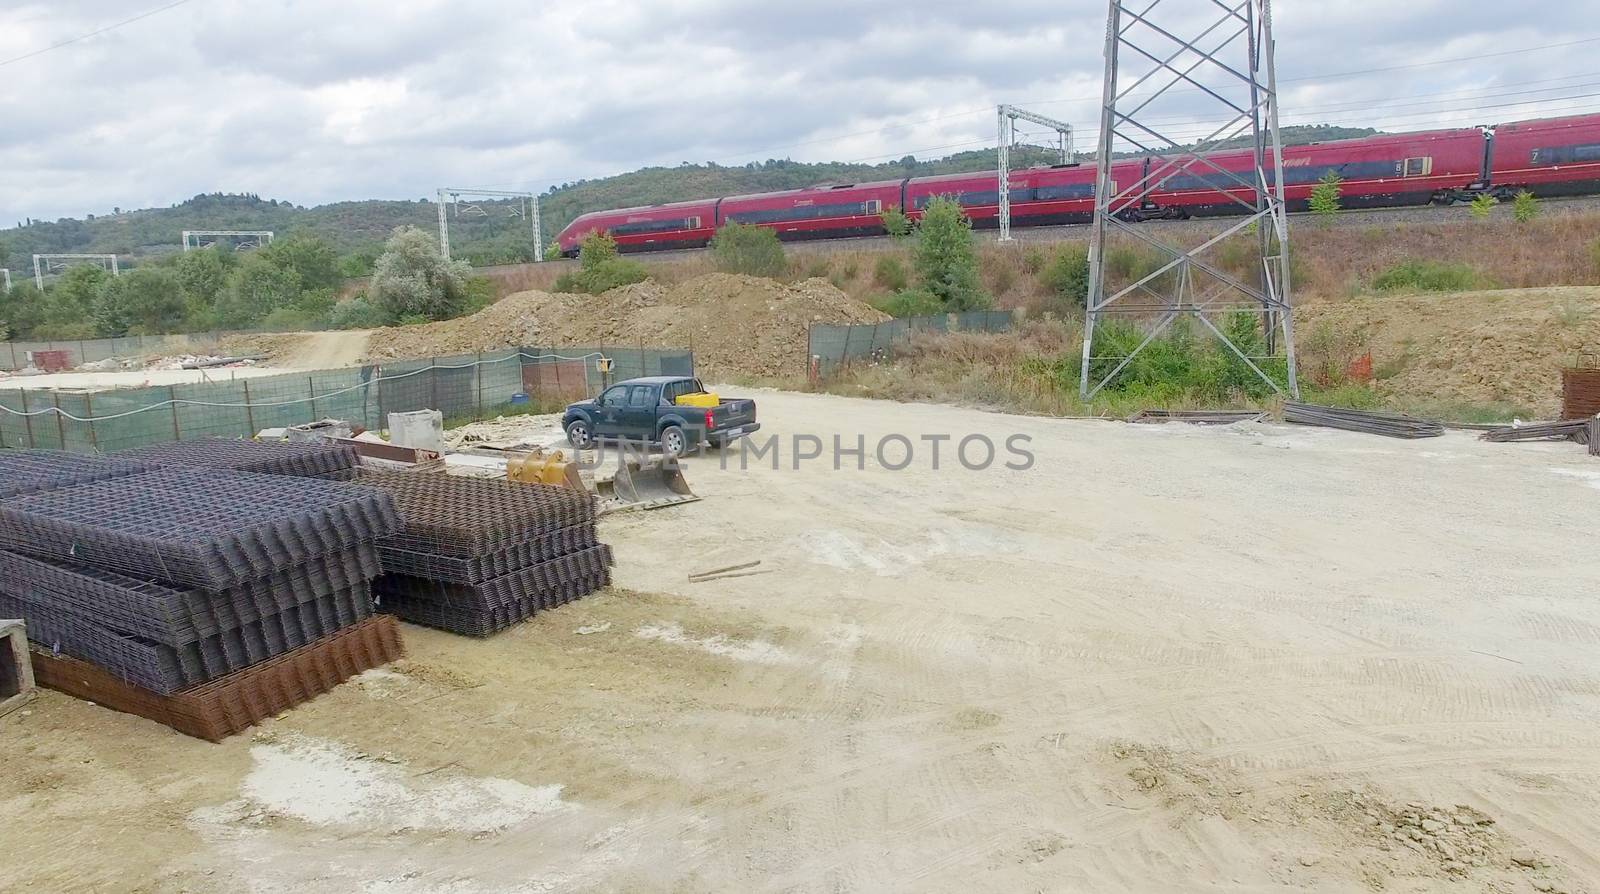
[464, 388]
[831, 346]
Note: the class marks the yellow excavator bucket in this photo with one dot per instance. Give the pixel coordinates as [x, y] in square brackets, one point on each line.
[544, 468]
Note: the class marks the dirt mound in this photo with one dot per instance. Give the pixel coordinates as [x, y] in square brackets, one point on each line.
[736, 325]
[1505, 346]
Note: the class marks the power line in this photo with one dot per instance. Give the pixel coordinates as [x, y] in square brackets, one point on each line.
[72, 40]
[1473, 58]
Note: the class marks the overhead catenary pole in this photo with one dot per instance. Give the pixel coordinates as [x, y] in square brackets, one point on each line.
[1005, 135]
[49, 262]
[1230, 65]
[528, 206]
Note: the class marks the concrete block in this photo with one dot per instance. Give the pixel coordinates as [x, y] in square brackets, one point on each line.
[16, 670]
[423, 429]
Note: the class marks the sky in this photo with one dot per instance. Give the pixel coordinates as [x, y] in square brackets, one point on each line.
[316, 102]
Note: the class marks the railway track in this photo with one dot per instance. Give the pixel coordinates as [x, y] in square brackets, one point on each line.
[1367, 217]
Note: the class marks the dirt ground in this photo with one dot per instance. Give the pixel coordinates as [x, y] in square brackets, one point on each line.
[1507, 345]
[1163, 658]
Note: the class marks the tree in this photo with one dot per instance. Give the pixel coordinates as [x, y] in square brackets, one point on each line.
[895, 222]
[748, 249]
[202, 273]
[1483, 204]
[1325, 196]
[946, 264]
[1524, 207]
[146, 300]
[411, 278]
[69, 303]
[254, 289]
[313, 260]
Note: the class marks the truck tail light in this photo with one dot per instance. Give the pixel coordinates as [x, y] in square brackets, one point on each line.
[709, 423]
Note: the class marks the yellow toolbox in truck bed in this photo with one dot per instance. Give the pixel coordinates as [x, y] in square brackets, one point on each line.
[704, 399]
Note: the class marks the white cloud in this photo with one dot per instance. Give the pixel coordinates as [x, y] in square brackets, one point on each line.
[316, 102]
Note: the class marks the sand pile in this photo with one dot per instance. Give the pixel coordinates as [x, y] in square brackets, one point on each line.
[1506, 346]
[736, 325]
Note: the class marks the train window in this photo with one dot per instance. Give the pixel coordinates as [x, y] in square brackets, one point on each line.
[1590, 152]
[1419, 166]
[873, 206]
[693, 223]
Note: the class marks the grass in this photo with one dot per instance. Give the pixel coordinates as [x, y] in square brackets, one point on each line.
[1035, 368]
[1428, 276]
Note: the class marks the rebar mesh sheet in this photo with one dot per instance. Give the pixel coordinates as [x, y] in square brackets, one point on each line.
[265, 457]
[209, 530]
[475, 569]
[30, 471]
[524, 583]
[238, 701]
[163, 668]
[155, 611]
[476, 620]
[459, 516]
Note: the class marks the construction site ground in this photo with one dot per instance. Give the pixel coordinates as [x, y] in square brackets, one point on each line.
[1165, 658]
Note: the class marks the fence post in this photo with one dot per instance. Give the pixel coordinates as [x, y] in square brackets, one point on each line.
[88, 410]
[13, 354]
[249, 411]
[377, 382]
[845, 354]
[172, 395]
[27, 421]
[61, 421]
[643, 371]
[433, 381]
[479, 370]
[311, 385]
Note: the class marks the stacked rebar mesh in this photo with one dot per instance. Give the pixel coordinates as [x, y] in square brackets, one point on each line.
[171, 580]
[335, 462]
[29, 471]
[478, 555]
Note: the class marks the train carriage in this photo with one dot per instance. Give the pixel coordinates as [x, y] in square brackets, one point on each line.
[820, 212]
[1548, 157]
[646, 228]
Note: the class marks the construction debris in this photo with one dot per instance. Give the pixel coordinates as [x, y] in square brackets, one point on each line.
[1393, 425]
[16, 672]
[204, 598]
[478, 554]
[1565, 430]
[1198, 417]
[714, 573]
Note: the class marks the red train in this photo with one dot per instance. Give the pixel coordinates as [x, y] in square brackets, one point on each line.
[1547, 156]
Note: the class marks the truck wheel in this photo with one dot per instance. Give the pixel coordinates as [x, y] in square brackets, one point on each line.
[673, 442]
[579, 435]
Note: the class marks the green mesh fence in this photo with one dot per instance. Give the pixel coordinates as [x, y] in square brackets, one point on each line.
[464, 388]
[14, 354]
[831, 347]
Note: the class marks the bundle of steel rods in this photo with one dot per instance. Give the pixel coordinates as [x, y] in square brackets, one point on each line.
[479, 555]
[165, 581]
[1565, 430]
[1198, 417]
[306, 460]
[1393, 425]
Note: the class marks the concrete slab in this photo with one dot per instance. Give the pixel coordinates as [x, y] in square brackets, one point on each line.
[16, 670]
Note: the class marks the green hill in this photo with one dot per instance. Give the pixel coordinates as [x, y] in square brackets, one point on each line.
[487, 233]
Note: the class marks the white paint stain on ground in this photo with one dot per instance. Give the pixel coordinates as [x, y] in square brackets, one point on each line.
[839, 550]
[1590, 477]
[324, 783]
[751, 650]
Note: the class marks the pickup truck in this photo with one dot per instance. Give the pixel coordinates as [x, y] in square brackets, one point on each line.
[646, 410]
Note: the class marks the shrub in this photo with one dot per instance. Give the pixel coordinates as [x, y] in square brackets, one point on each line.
[895, 222]
[1594, 252]
[890, 273]
[748, 249]
[600, 268]
[1524, 207]
[945, 263]
[480, 294]
[355, 313]
[1032, 259]
[412, 279]
[1427, 276]
[254, 289]
[1325, 196]
[1483, 204]
[1067, 278]
[910, 303]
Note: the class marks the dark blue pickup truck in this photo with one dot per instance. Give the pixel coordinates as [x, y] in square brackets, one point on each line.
[648, 410]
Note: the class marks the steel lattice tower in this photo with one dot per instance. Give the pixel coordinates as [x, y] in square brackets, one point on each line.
[1224, 69]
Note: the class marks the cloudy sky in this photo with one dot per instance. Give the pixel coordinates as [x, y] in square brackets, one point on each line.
[322, 101]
